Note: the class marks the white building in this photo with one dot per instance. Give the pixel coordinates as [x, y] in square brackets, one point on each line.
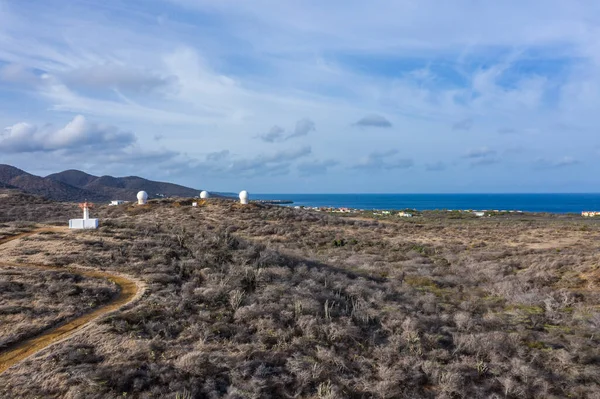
[86, 222]
[116, 202]
[590, 214]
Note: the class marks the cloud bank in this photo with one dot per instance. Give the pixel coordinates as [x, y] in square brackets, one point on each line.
[382, 161]
[77, 134]
[277, 134]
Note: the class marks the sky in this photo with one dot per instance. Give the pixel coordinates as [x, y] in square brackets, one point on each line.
[271, 96]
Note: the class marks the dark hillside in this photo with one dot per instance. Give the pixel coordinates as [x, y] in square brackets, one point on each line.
[156, 187]
[106, 182]
[126, 188]
[7, 173]
[6, 186]
[55, 190]
[11, 177]
[74, 185]
[72, 177]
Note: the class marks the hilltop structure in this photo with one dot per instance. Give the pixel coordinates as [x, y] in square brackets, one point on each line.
[142, 198]
[244, 197]
[86, 222]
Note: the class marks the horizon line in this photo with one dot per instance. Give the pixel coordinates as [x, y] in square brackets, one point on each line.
[453, 193]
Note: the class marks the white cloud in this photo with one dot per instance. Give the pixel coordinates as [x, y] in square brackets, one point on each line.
[384, 25]
[544, 163]
[226, 165]
[479, 153]
[77, 134]
[481, 157]
[384, 160]
[373, 120]
[121, 77]
[274, 134]
[303, 127]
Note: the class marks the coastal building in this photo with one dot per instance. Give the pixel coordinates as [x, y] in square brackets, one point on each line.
[590, 213]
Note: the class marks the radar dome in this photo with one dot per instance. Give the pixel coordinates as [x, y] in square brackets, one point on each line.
[142, 197]
[204, 195]
[244, 197]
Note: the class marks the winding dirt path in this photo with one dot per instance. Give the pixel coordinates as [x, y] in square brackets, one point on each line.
[130, 289]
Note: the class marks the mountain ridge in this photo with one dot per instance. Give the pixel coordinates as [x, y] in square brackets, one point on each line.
[75, 185]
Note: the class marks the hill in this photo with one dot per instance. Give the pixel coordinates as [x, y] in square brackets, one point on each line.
[72, 177]
[12, 177]
[75, 185]
[127, 187]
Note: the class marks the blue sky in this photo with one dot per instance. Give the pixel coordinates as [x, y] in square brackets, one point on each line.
[306, 96]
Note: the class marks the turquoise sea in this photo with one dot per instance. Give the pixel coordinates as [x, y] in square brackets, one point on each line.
[554, 203]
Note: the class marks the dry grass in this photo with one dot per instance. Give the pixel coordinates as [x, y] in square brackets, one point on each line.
[33, 300]
[258, 301]
[17, 206]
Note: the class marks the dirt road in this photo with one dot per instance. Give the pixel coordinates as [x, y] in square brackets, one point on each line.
[129, 290]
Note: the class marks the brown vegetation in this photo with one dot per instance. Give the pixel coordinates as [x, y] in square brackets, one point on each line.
[24, 208]
[33, 300]
[260, 301]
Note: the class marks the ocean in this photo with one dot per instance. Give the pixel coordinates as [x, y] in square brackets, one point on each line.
[553, 203]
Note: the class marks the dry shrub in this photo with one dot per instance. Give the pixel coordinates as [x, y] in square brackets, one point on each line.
[259, 301]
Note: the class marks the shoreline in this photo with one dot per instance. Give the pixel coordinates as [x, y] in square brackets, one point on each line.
[534, 203]
[408, 212]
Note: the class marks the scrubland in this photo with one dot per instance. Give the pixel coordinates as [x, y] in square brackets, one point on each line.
[264, 301]
[33, 300]
[16, 206]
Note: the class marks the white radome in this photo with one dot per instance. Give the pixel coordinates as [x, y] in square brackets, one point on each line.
[142, 197]
[244, 197]
[204, 195]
